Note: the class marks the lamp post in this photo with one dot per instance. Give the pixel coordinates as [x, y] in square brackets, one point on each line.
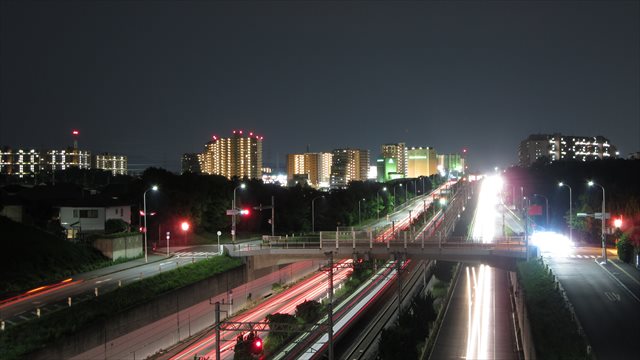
[378, 200]
[233, 215]
[313, 213]
[219, 233]
[604, 223]
[561, 184]
[546, 200]
[394, 195]
[144, 202]
[415, 188]
[359, 213]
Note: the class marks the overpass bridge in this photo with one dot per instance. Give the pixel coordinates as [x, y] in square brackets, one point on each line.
[503, 252]
[416, 238]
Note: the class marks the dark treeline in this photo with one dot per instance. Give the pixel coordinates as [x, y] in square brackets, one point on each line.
[203, 200]
[620, 179]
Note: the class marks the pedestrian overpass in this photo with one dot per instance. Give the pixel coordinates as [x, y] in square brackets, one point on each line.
[502, 252]
[414, 237]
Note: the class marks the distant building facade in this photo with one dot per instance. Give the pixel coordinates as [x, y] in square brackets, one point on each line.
[29, 162]
[190, 163]
[387, 170]
[53, 160]
[314, 167]
[19, 162]
[237, 156]
[554, 147]
[348, 165]
[397, 152]
[116, 164]
[422, 161]
[451, 164]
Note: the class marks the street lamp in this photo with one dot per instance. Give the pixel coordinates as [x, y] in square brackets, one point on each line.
[378, 200]
[313, 213]
[144, 202]
[604, 248]
[561, 184]
[233, 213]
[359, 214]
[394, 195]
[219, 233]
[547, 206]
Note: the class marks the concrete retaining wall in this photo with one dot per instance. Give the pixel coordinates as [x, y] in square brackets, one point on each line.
[102, 332]
[126, 247]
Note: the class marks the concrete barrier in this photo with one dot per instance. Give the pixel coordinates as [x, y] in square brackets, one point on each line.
[101, 332]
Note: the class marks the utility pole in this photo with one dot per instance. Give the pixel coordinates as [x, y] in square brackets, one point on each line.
[330, 305]
[217, 325]
[273, 216]
[398, 267]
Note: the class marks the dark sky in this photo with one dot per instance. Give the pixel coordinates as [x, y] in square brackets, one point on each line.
[152, 79]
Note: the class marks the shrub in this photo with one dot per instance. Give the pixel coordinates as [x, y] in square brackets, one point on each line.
[309, 311]
[625, 249]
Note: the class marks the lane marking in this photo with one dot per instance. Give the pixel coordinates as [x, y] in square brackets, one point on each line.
[618, 281]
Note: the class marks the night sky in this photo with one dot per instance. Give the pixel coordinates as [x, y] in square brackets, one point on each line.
[153, 80]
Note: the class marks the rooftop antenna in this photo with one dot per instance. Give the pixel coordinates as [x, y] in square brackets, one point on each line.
[75, 134]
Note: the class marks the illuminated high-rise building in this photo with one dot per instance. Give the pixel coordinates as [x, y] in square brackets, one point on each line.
[116, 164]
[20, 163]
[191, 163]
[554, 147]
[315, 167]
[423, 161]
[238, 156]
[348, 165]
[65, 159]
[397, 152]
[451, 164]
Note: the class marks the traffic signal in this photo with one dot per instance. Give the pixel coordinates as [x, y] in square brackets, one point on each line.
[244, 212]
[256, 346]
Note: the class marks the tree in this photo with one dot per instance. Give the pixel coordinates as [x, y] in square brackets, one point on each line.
[625, 249]
[309, 311]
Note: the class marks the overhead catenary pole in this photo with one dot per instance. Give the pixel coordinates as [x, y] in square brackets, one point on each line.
[330, 306]
[217, 326]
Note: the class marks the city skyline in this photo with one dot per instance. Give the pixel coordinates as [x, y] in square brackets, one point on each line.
[323, 75]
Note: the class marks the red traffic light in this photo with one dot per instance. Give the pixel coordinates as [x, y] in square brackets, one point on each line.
[618, 222]
[244, 212]
[258, 344]
[184, 226]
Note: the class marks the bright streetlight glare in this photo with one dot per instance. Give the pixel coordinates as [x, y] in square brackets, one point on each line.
[154, 188]
[552, 243]
[242, 186]
[590, 183]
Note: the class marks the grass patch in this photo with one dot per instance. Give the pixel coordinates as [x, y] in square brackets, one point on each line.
[18, 341]
[33, 257]
[547, 310]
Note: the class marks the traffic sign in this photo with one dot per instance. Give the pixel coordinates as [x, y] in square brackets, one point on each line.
[233, 212]
[599, 215]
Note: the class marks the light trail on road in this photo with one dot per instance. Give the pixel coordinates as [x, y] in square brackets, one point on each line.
[314, 288]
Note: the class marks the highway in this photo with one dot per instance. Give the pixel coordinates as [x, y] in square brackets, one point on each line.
[84, 286]
[313, 288]
[605, 298]
[478, 320]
